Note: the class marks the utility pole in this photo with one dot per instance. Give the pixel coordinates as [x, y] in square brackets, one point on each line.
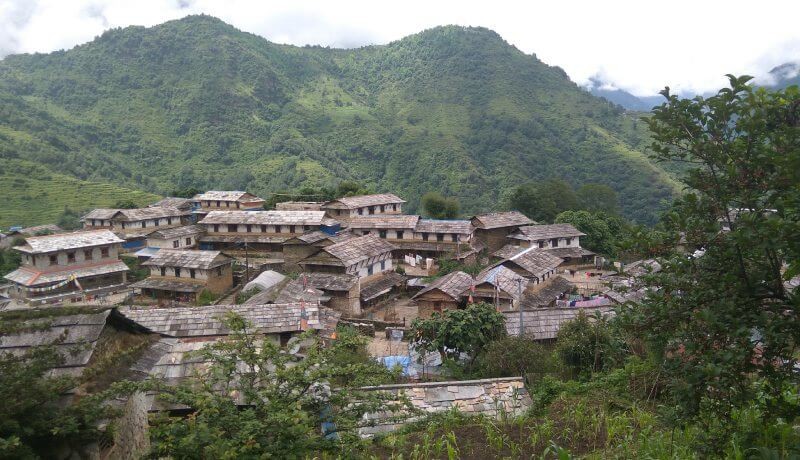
[519, 304]
[246, 265]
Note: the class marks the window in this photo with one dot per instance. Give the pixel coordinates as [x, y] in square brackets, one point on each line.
[383, 265]
[382, 233]
[365, 232]
[399, 234]
[382, 208]
[231, 228]
[54, 260]
[94, 223]
[227, 204]
[249, 228]
[440, 237]
[554, 243]
[424, 237]
[216, 228]
[188, 241]
[123, 225]
[176, 243]
[163, 271]
[454, 237]
[360, 211]
[371, 269]
[103, 252]
[277, 229]
[238, 205]
[263, 229]
[291, 229]
[169, 220]
[218, 204]
[192, 273]
[70, 257]
[144, 224]
[87, 254]
[372, 209]
[541, 244]
[569, 241]
[219, 270]
[177, 272]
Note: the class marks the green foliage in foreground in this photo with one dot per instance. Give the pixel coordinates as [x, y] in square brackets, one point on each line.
[439, 207]
[196, 103]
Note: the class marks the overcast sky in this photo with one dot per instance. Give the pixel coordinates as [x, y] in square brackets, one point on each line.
[639, 45]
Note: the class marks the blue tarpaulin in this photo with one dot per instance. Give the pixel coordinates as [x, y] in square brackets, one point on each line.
[402, 361]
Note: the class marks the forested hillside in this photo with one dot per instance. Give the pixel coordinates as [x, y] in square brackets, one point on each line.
[195, 102]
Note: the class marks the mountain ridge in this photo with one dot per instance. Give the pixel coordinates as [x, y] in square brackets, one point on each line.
[196, 102]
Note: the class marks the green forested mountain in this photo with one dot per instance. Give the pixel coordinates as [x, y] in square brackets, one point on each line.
[196, 102]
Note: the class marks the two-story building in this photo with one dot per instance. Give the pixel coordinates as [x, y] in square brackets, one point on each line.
[345, 208]
[264, 232]
[68, 266]
[133, 225]
[363, 257]
[561, 240]
[222, 200]
[492, 229]
[182, 274]
[186, 237]
[298, 248]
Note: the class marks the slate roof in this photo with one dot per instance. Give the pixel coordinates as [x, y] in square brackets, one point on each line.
[299, 206]
[176, 232]
[154, 212]
[265, 217]
[295, 291]
[545, 232]
[32, 231]
[642, 267]
[187, 258]
[190, 285]
[64, 241]
[355, 250]
[383, 221]
[31, 277]
[381, 285]
[504, 278]
[207, 321]
[547, 294]
[453, 284]
[508, 251]
[242, 237]
[101, 213]
[569, 252]
[352, 202]
[318, 236]
[330, 281]
[459, 226]
[225, 195]
[535, 261]
[544, 323]
[500, 219]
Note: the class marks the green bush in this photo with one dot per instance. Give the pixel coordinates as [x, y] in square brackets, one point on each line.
[587, 344]
[206, 297]
[515, 356]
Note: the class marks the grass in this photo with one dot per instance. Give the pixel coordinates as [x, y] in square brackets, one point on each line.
[41, 196]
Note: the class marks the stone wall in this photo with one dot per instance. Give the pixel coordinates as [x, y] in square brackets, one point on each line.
[131, 437]
[490, 397]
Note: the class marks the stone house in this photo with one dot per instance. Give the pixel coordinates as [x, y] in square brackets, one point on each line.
[133, 225]
[299, 247]
[448, 292]
[363, 256]
[536, 265]
[216, 200]
[299, 206]
[345, 208]
[492, 229]
[181, 274]
[264, 232]
[186, 237]
[343, 291]
[184, 204]
[68, 266]
[499, 286]
[561, 240]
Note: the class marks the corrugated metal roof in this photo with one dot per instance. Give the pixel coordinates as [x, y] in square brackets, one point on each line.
[265, 217]
[360, 201]
[545, 232]
[492, 220]
[187, 258]
[64, 241]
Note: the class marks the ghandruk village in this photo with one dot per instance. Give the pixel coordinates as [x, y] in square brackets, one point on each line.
[339, 230]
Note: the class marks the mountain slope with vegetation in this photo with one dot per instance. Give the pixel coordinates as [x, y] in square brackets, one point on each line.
[196, 102]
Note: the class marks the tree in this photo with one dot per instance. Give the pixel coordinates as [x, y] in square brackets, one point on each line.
[543, 201]
[69, 219]
[125, 204]
[350, 188]
[598, 229]
[585, 344]
[258, 400]
[455, 332]
[34, 419]
[598, 198]
[439, 207]
[514, 356]
[722, 318]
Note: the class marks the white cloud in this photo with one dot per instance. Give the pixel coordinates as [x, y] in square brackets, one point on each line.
[640, 46]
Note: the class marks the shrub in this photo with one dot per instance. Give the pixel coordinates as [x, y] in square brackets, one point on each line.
[515, 356]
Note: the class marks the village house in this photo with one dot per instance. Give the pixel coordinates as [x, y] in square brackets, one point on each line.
[343, 291]
[343, 209]
[299, 206]
[184, 204]
[172, 238]
[215, 200]
[538, 266]
[298, 248]
[561, 240]
[492, 229]
[547, 295]
[133, 225]
[68, 266]
[499, 286]
[264, 232]
[13, 233]
[364, 257]
[445, 293]
[181, 275]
